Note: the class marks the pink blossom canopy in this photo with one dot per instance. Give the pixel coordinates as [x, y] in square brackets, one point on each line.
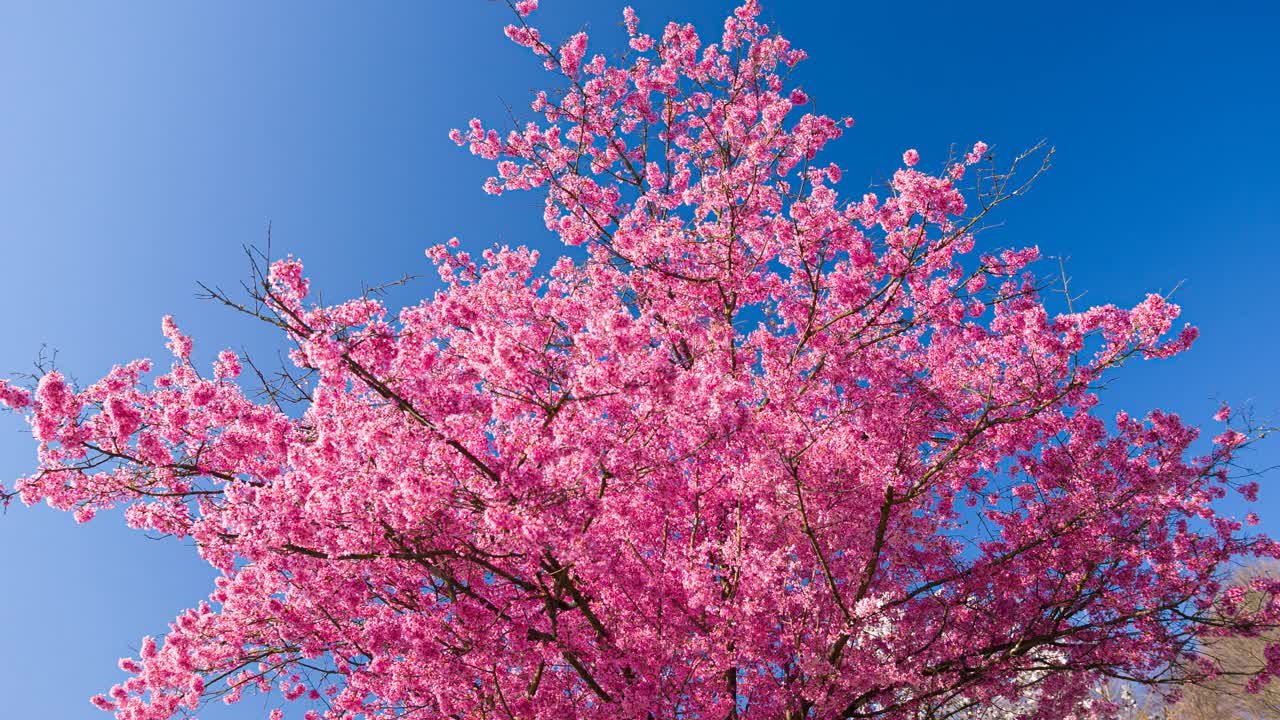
[766, 451]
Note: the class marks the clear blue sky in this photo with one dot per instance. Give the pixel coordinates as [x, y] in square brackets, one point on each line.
[142, 143]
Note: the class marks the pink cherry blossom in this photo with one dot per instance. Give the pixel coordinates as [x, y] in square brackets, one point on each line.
[179, 344]
[976, 154]
[14, 397]
[762, 450]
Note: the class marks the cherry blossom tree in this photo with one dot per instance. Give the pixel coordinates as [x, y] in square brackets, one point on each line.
[764, 450]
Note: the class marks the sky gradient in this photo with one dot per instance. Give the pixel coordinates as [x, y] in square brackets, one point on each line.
[145, 143]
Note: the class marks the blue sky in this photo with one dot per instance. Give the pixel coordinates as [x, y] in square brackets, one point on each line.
[142, 144]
